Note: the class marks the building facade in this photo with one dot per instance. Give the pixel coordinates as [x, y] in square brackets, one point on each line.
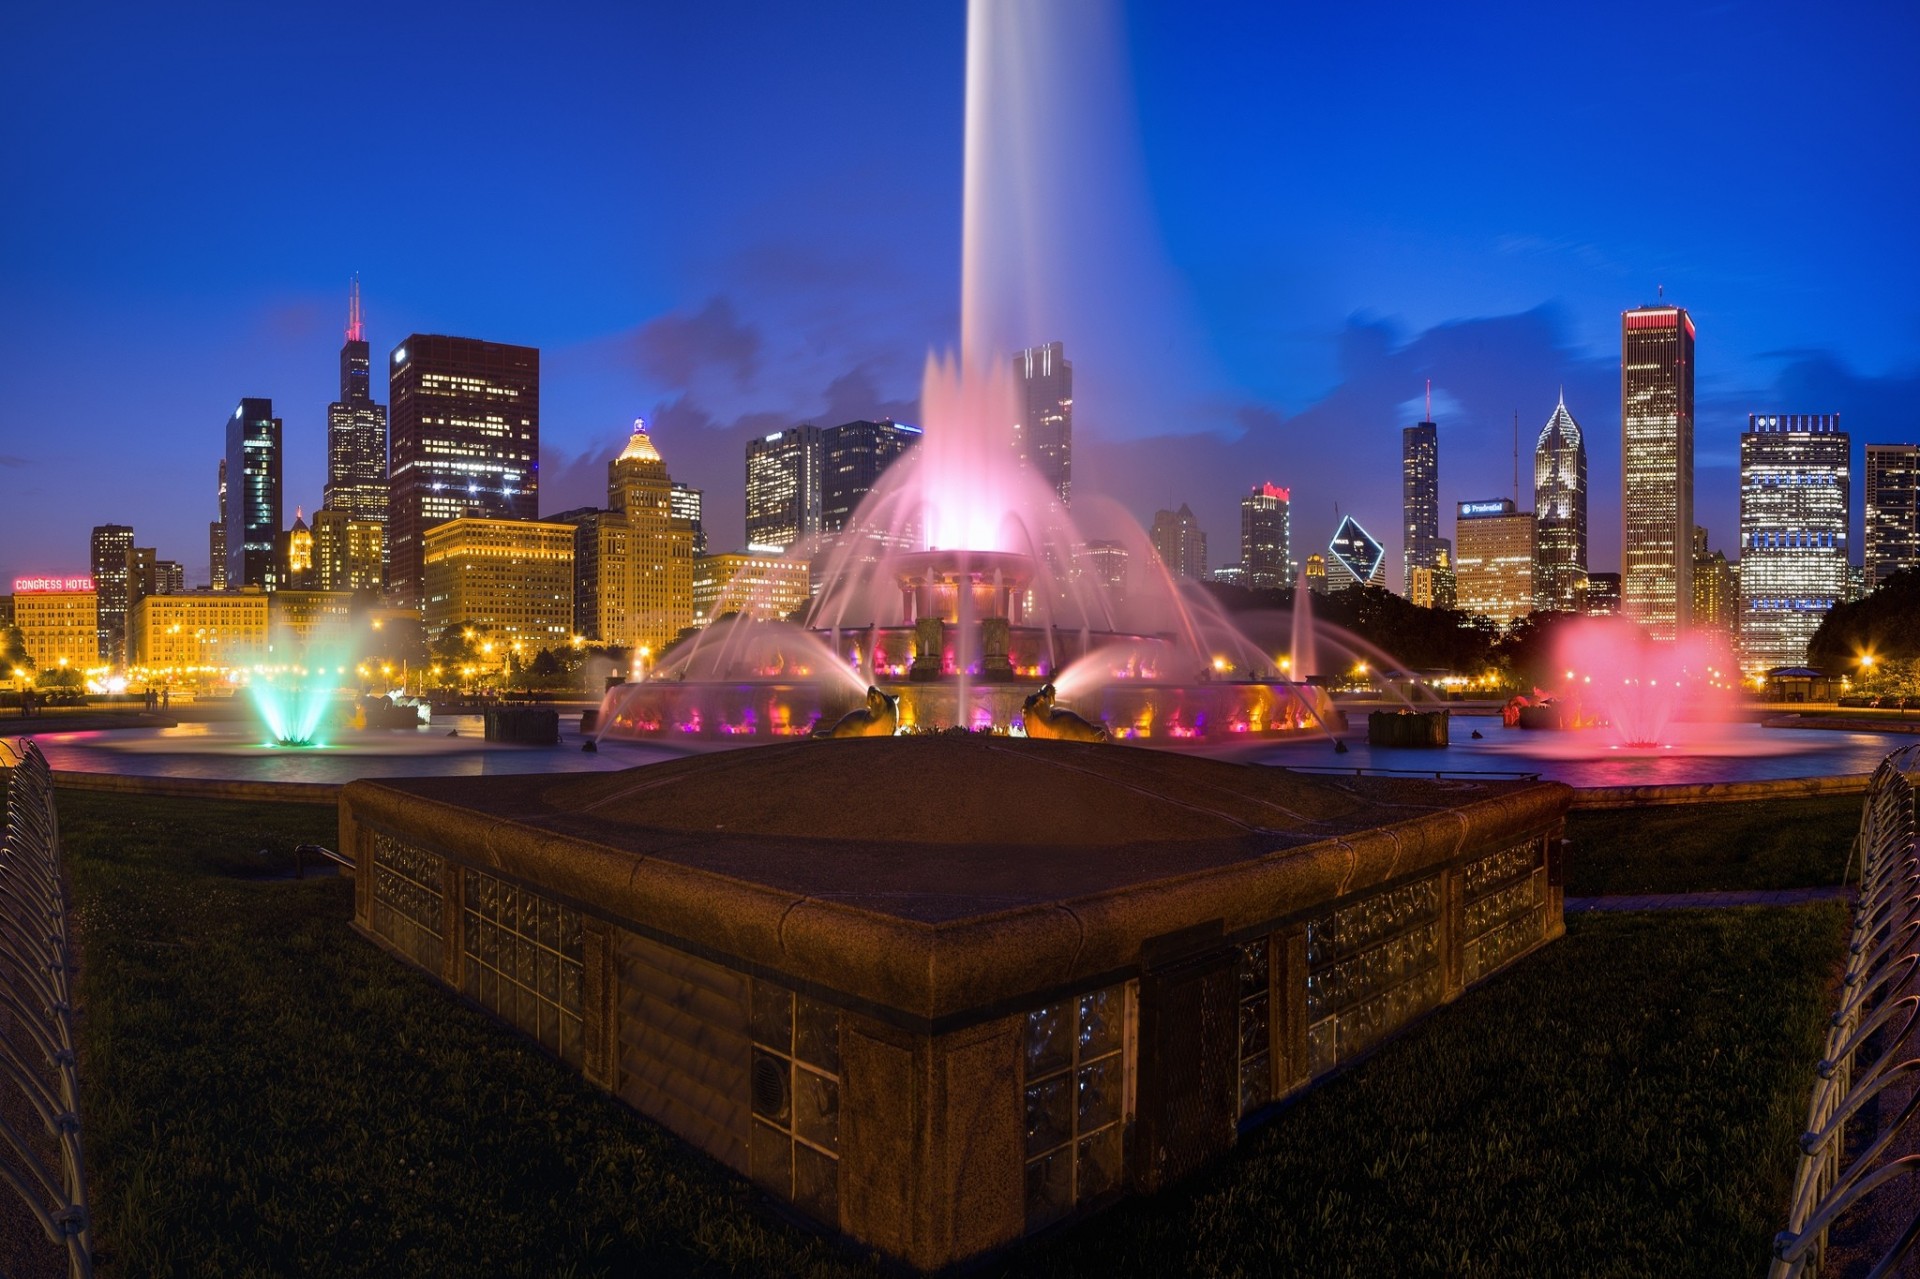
[1893, 510]
[1656, 471]
[1179, 543]
[784, 491]
[171, 575]
[1794, 492]
[59, 621]
[1493, 566]
[356, 431]
[757, 585]
[854, 455]
[1043, 433]
[1266, 538]
[309, 626]
[512, 580]
[348, 553]
[688, 504]
[1420, 498]
[207, 633]
[110, 545]
[655, 601]
[1436, 587]
[1355, 558]
[465, 441]
[1716, 589]
[253, 506]
[1559, 511]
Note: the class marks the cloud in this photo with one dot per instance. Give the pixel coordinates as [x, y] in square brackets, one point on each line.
[675, 350]
[14, 459]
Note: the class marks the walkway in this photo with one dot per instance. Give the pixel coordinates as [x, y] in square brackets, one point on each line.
[1694, 901]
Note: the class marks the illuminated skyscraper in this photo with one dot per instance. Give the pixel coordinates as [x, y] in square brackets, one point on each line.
[1043, 436]
[784, 493]
[1266, 538]
[853, 457]
[1716, 589]
[1180, 544]
[347, 553]
[688, 505]
[217, 538]
[1656, 469]
[1893, 510]
[1493, 572]
[356, 431]
[253, 513]
[657, 594]
[1355, 558]
[512, 580]
[1793, 533]
[466, 441]
[111, 544]
[1420, 496]
[1560, 511]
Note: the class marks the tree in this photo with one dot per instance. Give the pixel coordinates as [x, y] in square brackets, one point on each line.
[1884, 626]
[14, 659]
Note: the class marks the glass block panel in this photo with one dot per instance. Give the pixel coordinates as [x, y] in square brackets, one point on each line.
[816, 1108]
[549, 925]
[547, 973]
[1049, 1114]
[772, 1016]
[816, 1034]
[770, 1159]
[1100, 1017]
[1253, 1026]
[573, 980]
[1099, 1169]
[771, 1088]
[571, 1039]
[549, 1025]
[1098, 1094]
[1253, 968]
[816, 1184]
[1049, 1187]
[1320, 1047]
[1049, 1040]
[509, 907]
[571, 943]
[1256, 1083]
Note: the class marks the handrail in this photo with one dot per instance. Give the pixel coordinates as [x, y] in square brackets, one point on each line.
[1858, 1137]
[303, 851]
[37, 1055]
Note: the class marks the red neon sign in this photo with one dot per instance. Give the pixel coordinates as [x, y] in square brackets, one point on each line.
[50, 585]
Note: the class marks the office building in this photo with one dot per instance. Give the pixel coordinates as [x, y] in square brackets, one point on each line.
[348, 553]
[110, 545]
[1656, 471]
[1493, 563]
[1600, 597]
[688, 504]
[1043, 433]
[1355, 558]
[1716, 589]
[1794, 490]
[465, 442]
[308, 625]
[199, 632]
[253, 506]
[296, 554]
[1420, 497]
[171, 577]
[143, 574]
[1179, 543]
[1266, 538]
[511, 580]
[1436, 587]
[1559, 511]
[1315, 574]
[356, 430]
[217, 538]
[654, 602]
[1893, 511]
[762, 586]
[59, 621]
[1107, 561]
[784, 489]
[1229, 575]
[854, 455]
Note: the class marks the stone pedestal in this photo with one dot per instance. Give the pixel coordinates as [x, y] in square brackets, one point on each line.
[995, 645]
[929, 649]
[1415, 730]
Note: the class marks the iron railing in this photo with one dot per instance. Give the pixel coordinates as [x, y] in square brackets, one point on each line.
[1860, 1136]
[37, 1065]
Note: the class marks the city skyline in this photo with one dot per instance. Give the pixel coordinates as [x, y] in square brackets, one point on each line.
[1306, 336]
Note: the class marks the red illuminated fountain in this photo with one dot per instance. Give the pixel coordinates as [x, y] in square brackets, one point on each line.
[1618, 681]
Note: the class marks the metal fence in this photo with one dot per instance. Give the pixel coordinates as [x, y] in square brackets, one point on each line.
[1861, 1144]
[39, 1087]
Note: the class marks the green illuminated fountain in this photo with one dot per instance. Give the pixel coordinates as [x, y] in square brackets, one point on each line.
[293, 708]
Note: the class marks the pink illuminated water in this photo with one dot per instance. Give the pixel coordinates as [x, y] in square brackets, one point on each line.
[1613, 676]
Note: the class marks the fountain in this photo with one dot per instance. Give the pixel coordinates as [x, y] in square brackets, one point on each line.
[293, 710]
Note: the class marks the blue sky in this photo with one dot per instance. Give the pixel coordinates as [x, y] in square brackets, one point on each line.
[732, 218]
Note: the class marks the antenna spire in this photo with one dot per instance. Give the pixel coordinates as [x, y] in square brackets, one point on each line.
[1516, 457]
[1429, 399]
[356, 327]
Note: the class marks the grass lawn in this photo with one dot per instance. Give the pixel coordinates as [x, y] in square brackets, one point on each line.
[266, 1094]
[1769, 844]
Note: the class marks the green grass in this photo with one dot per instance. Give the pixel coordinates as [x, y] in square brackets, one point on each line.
[1770, 844]
[268, 1094]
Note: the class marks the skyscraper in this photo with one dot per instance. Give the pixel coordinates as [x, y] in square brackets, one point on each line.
[1793, 533]
[784, 497]
[356, 431]
[1420, 496]
[853, 457]
[1043, 435]
[1266, 538]
[1893, 510]
[1180, 544]
[1355, 558]
[111, 544]
[1716, 589]
[1656, 469]
[253, 520]
[658, 592]
[1493, 572]
[1560, 511]
[466, 440]
[217, 539]
[688, 503]
[143, 574]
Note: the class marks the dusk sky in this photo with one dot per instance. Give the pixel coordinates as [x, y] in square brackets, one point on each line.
[733, 218]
